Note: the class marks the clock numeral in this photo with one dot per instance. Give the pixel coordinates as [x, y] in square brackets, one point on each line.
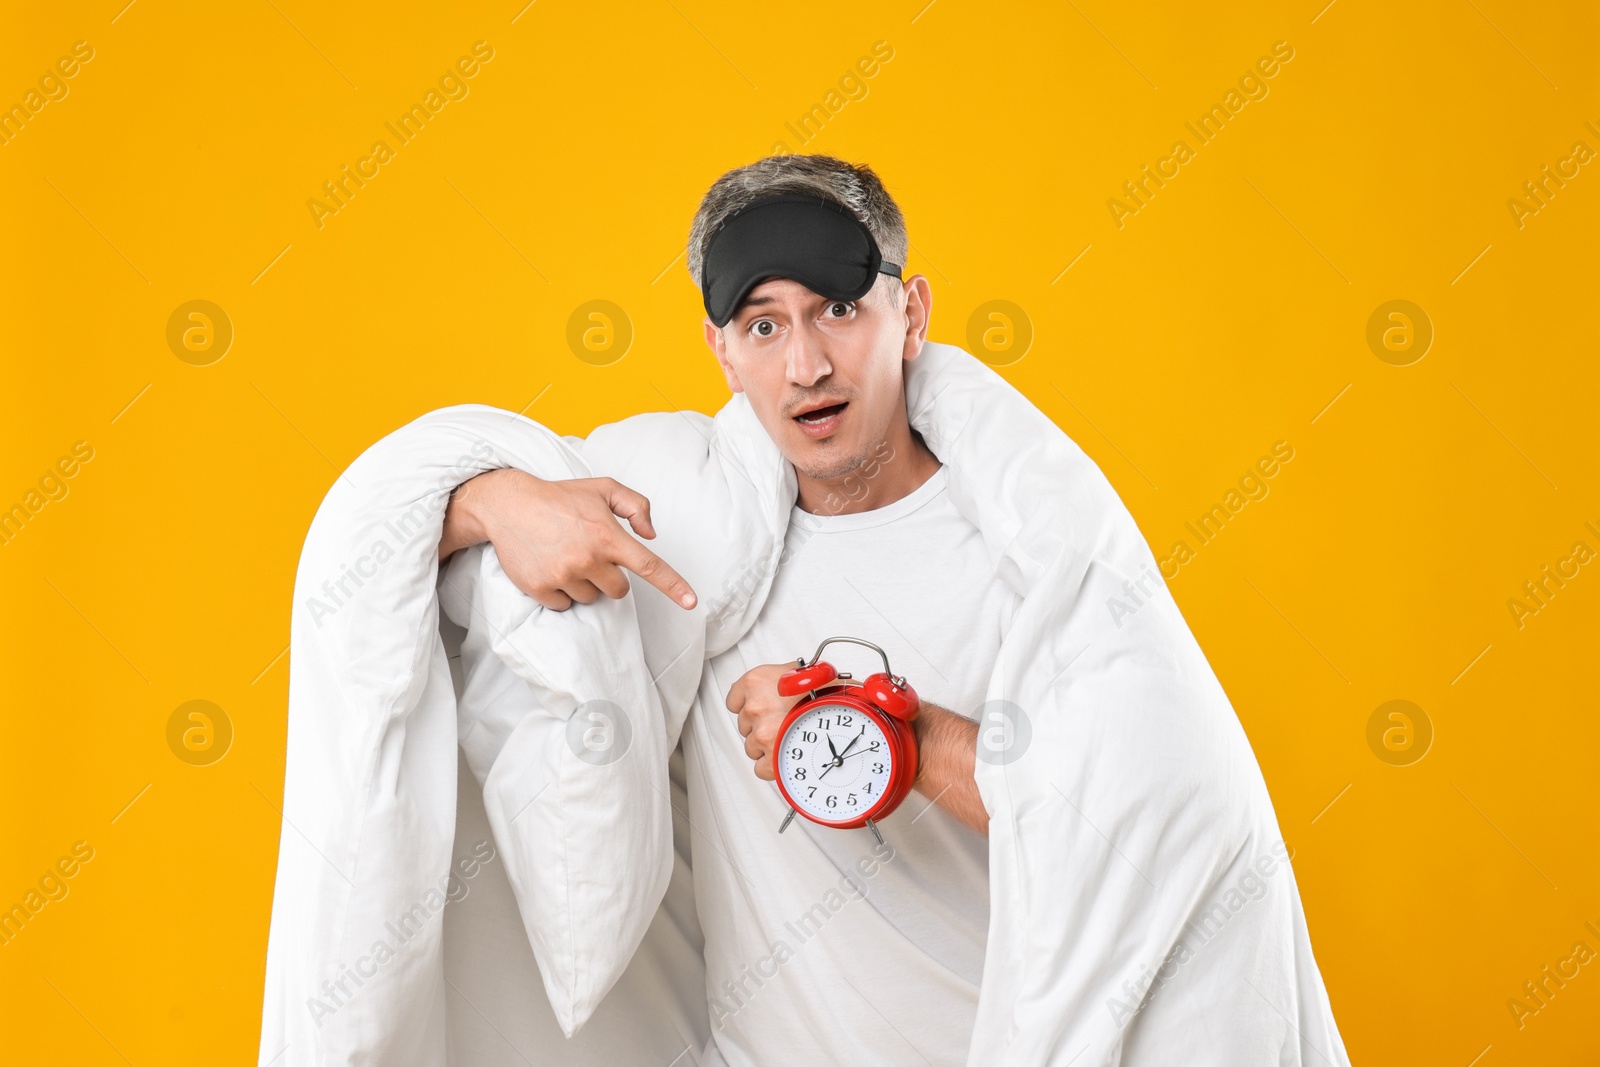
[877, 768]
[851, 800]
[823, 724]
[846, 720]
[811, 792]
[797, 752]
[833, 800]
[873, 747]
[869, 787]
[808, 736]
[799, 774]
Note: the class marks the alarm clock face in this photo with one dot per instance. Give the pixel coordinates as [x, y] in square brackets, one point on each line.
[835, 763]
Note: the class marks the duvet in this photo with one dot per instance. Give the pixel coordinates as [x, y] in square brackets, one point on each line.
[483, 857]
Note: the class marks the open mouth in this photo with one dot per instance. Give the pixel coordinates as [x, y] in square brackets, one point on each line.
[821, 422]
[817, 416]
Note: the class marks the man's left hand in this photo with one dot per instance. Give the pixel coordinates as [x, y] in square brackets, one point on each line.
[754, 698]
[946, 742]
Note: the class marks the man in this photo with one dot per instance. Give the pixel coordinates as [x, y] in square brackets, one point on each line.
[875, 550]
[1140, 853]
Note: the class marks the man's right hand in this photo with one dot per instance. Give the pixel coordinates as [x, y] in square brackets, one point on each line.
[559, 541]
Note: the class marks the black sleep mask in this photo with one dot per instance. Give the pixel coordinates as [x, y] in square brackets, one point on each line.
[812, 240]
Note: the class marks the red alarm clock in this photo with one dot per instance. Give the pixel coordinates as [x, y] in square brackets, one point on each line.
[847, 754]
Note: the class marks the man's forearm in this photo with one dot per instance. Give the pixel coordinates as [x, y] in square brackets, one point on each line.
[947, 748]
[463, 519]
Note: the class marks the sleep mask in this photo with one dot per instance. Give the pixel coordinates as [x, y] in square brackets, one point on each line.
[808, 238]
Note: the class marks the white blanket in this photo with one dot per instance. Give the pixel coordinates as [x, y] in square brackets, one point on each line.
[1142, 910]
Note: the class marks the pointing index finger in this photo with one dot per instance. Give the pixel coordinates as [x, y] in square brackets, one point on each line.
[655, 570]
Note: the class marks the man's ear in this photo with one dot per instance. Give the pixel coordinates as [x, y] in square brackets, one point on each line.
[719, 348]
[919, 309]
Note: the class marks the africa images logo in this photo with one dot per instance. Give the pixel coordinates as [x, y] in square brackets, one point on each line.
[1252, 86]
[340, 190]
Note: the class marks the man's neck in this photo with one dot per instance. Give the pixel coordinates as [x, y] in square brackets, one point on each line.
[896, 468]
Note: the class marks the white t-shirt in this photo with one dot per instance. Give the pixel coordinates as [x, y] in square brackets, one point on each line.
[823, 947]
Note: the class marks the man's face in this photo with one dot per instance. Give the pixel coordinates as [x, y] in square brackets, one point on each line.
[825, 377]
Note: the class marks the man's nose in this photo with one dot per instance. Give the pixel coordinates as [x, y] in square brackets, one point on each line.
[807, 361]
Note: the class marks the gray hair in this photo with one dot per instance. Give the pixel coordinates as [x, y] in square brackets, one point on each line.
[853, 186]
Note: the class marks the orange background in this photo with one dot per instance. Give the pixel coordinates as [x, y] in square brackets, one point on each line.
[1229, 313]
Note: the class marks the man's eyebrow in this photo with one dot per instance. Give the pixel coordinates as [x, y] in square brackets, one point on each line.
[760, 301]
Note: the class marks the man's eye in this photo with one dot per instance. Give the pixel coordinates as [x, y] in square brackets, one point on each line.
[757, 327]
[840, 307]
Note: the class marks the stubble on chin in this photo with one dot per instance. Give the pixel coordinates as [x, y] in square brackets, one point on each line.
[836, 469]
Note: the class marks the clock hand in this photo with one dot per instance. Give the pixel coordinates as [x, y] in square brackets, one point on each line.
[853, 741]
[829, 739]
[840, 756]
